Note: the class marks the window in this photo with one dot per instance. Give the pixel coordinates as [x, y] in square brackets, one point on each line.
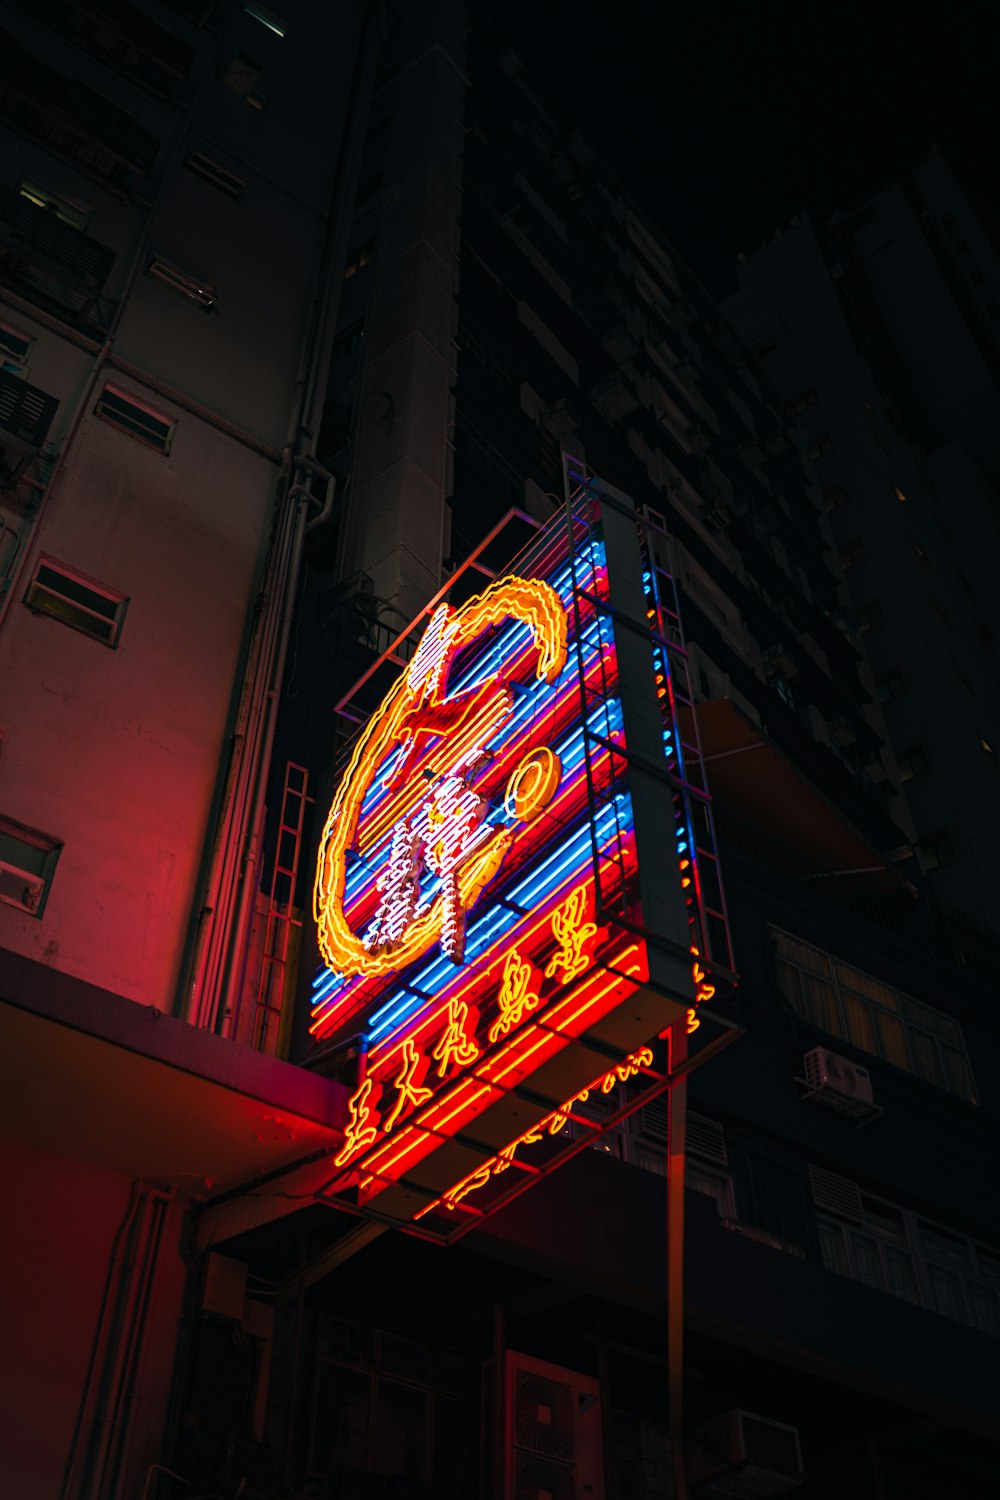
[920, 552]
[900, 495]
[936, 850]
[986, 747]
[358, 258]
[27, 864]
[800, 403]
[389, 1405]
[870, 615]
[912, 762]
[852, 554]
[873, 1016]
[60, 208]
[835, 499]
[266, 18]
[349, 340]
[820, 448]
[227, 182]
[14, 348]
[76, 600]
[896, 1251]
[191, 288]
[889, 686]
[140, 421]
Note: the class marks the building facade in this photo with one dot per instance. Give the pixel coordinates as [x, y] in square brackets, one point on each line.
[818, 1309]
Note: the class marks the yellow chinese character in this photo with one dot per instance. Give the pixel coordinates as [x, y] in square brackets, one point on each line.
[515, 998]
[359, 1134]
[572, 934]
[408, 1091]
[454, 1045]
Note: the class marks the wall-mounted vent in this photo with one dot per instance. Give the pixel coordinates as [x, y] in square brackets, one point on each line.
[835, 1194]
[211, 171]
[191, 288]
[86, 606]
[27, 863]
[140, 421]
[706, 1138]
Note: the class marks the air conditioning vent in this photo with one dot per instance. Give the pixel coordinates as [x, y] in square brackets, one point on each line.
[838, 1084]
[740, 1456]
[553, 1427]
[191, 288]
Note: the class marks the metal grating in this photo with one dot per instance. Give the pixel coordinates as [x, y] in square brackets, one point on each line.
[705, 1138]
[25, 411]
[836, 1194]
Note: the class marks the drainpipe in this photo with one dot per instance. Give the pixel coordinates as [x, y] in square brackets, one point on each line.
[214, 975]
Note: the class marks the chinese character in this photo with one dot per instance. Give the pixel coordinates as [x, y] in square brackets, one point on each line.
[572, 933]
[409, 1092]
[455, 833]
[359, 1134]
[454, 1045]
[515, 998]
[399, 884]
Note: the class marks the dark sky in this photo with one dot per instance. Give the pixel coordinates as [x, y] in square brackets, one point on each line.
[727, 118]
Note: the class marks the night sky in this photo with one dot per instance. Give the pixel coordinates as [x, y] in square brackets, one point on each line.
[727, 118]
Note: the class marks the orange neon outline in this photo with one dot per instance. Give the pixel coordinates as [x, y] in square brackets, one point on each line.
[409, 1092]
[535, 604]
[544, 768]
[359, 1135]
[553, 1123]
[514, 997]
[571, 932]
[517, 1051]
[454, 1045]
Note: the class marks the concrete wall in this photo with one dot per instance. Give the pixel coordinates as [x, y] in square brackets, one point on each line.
[72, 1256]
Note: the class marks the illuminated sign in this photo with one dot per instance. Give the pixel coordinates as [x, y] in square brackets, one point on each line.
[516, 889]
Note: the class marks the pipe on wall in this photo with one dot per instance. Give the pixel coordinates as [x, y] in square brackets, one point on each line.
[221, 928]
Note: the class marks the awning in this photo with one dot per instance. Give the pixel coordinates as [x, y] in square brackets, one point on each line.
[99, 1078]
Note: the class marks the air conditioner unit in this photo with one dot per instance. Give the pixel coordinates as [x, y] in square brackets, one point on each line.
[553, 1448]
[840, 1085]
[740, 1456]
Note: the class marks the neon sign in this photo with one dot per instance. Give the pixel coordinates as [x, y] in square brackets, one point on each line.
[508, 896]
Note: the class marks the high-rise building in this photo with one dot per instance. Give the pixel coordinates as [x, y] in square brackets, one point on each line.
[800, 1287]
[881, 332]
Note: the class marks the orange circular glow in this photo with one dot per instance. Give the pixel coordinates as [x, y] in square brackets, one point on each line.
[417, 694]
[533, 784]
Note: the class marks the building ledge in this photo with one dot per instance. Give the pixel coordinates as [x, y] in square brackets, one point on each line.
[90, 1075]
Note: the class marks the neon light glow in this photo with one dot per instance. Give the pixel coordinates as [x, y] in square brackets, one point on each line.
[479, 892]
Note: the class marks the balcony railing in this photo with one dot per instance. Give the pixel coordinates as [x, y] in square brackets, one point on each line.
[73, 120]
[48, 259]
[122, 36]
